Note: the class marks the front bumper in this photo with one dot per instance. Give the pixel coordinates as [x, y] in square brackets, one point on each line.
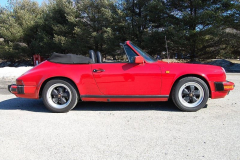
[221, 89]
[224, 86]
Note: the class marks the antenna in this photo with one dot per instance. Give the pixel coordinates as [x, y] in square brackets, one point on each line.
[167, 48]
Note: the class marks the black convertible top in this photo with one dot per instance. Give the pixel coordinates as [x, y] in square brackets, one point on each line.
[69, 59]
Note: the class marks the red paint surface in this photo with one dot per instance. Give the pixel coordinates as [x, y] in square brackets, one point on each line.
[128, 78]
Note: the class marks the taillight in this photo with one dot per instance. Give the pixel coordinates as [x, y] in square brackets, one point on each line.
[19, 82]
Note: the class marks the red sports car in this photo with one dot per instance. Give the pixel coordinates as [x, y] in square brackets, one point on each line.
[127, 74]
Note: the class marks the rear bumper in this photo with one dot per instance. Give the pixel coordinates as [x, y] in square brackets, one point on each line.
[221, 89]
[13, 88]
[23, 91]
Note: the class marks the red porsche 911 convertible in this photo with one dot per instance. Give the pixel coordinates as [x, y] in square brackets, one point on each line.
[126, 75]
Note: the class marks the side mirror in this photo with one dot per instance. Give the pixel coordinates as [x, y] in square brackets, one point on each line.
[139, 60]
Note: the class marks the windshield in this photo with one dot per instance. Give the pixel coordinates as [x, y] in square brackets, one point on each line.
[146, 56]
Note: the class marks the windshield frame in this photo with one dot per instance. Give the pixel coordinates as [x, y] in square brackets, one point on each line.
[142, 53]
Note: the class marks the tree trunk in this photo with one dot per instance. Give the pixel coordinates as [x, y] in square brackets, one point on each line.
[192, 27]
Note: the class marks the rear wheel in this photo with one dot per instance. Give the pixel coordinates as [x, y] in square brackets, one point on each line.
[190, 94]
[59, 96]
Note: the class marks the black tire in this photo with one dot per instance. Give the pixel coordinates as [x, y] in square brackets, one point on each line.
[59, 96]
[190, 94]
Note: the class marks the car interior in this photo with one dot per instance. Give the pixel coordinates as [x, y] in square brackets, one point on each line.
[117, 56]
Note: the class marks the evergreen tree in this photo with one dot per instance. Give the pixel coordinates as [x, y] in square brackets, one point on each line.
[201, 28]
[56, 30]
[137, 16]
[16, 27]
[197, 26]
[104, 22]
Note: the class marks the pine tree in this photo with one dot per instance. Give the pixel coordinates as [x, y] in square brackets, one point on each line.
[103, 20]
[16, 27]
[197, 26]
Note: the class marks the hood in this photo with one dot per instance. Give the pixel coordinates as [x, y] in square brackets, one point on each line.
[193, 66]
[188, 68]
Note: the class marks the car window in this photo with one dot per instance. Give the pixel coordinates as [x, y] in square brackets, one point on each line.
[119, 55]
[144, 54]
[130, 53]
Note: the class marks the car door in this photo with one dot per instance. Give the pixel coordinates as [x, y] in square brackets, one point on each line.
[127, 78]
[118, 77]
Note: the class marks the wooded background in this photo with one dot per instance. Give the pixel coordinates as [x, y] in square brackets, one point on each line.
[199, 28]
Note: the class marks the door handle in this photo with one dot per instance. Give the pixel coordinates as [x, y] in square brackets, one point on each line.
[98, 70]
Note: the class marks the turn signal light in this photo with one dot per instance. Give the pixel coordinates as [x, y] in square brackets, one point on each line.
[228, 87]
[19, 82]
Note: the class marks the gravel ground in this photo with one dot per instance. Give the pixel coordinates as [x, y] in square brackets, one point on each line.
[120, 130]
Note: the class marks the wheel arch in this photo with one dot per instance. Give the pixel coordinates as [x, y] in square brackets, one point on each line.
[192, 75]
[60, 78]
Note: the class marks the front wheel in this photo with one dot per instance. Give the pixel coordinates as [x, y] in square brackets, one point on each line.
[190, 94]
[59, 96]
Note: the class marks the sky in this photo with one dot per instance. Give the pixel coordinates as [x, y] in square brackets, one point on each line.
[3, 3]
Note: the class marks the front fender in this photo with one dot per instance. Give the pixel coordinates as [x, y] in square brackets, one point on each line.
[171, 73]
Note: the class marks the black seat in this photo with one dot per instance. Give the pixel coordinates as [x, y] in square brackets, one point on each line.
[92, 55]
[99, 57]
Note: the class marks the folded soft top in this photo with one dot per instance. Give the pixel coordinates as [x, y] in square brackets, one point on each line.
[69, 59]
